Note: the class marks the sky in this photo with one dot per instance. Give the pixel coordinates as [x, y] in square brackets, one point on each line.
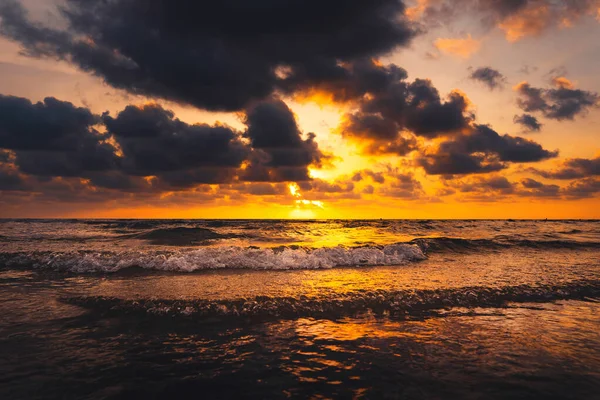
[300, 109]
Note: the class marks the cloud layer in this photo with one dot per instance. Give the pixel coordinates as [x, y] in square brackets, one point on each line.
[212, 55]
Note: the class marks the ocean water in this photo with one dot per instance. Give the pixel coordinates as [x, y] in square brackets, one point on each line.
[95, 309]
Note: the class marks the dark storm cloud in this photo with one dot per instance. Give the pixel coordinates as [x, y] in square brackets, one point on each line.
[429, 116]
[560, 103]
[53, 137]
[272, 128]
[6, 156]
[529, 122]
[482, 150]
[573, 168]
[490, 77]
[391, 110]
[280, 152]
[49, 125]
[344, 82]
[371, 126]
[154, 142]
[10, 179]
[459, 163]
[213, 55]
[147, 149]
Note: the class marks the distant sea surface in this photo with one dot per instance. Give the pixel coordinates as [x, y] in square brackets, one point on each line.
[415, 309]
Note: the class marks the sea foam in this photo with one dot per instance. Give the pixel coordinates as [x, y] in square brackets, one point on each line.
[210, 258]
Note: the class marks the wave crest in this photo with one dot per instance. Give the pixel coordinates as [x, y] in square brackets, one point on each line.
[210, 258]
[393, 303]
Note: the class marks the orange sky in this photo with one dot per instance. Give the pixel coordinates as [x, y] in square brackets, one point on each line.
[357, 177]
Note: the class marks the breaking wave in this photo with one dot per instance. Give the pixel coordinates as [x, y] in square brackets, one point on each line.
[442, 244]
[405, 303]
[206, 257]
[210, 258]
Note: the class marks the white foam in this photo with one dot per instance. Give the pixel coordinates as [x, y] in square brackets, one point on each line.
[227, 258]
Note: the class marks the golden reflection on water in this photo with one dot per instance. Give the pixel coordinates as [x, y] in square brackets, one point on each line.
[439, 271]
[507, 341]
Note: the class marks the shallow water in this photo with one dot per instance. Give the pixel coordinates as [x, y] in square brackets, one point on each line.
[323, 309]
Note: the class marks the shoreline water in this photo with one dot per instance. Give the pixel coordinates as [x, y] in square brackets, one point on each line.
[490, 310]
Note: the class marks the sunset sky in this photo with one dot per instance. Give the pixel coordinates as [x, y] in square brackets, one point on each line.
[300, 109]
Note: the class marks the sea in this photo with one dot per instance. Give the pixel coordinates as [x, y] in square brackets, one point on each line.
[321, 309]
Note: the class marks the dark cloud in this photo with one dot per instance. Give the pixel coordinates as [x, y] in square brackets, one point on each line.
[390, 110]
[213, 55]
[429, 116]
[53, 137]
[490, 77]
[49, 125]
[490, 188]
[10, 178]
[371, 126]
[154, 142]
[560, 103]
[529, 122]
[402, 185]
[281, 153]
[459, 163]
[401, 146]
[146, 149]
[495, 183]
[584, 188]
[6, 156]
[534, 188]
[482, 150]
[339, 186]
[531, 183]
[573, 168]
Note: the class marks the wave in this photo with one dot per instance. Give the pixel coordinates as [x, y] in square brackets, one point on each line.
[180, 236]
[210, 258]
[445, 244]
[406, 303]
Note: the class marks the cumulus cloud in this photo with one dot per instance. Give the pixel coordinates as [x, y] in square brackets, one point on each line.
[534, 188]
[281, 154]
[390, 112]
[583, 188]
[479, 151]
[484, 184]
[155, 143]
[212, 55]
[490, 77]
[146, 148]
[53, 137]
[559, 103]
[493, 187]
[573, 168]
[528, 122]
